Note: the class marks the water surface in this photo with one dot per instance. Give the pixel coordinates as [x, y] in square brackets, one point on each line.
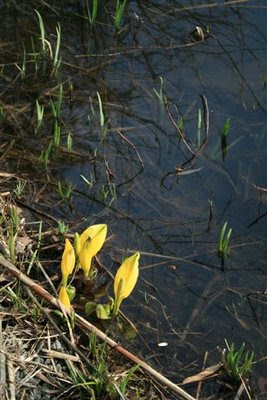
[142, 184]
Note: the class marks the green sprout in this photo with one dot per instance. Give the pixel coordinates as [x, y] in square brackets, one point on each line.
[224, 133]
[92, 14]
[237, 364]
[56, 107]
[120, 7]
[223, 246]
[57, 134]
[102, 122]
[20, 186]
[62, 228]
[57, 59]
[39, 115]
[22, 68]
[65, 190]
[69, 141]
[46, 154]
[160, 96]
[56, 111]
[199, 126]
[180, 123]
[226, 128]
[42, 31]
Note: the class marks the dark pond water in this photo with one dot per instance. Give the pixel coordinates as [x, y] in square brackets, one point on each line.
[140, 182]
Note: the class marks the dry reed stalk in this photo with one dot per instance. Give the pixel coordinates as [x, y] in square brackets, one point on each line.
[11, 379]
[62, 356]
[2, 364]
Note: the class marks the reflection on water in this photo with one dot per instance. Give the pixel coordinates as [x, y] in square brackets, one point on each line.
[184, 298]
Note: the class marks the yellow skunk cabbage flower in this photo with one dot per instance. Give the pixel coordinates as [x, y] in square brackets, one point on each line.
[88, 245]
[125, 280]
[63, 297]
[77, 243]
[67, 262]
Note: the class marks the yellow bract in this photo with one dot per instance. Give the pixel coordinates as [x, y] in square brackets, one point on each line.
[85, 258]
[63, 297]
[89, 243]
[97, 234]
[125, 279]
[67, 261]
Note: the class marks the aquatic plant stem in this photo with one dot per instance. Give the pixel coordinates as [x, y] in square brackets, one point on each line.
[181, 134]
[40, 291]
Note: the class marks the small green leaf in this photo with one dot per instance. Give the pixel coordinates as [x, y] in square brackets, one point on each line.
[226, 127]
[59, 313]
[71, 292]
[103, 311]
[89, 308]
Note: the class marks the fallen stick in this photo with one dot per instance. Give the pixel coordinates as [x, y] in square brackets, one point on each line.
[2, 364]
[40, 291]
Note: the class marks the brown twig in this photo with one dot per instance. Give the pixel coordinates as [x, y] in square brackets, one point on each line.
[206, 5]
[133, 146]
[11, 379]
[200, 382]
[181, 134]
[2, 364]
[58, 354]
[35, 287]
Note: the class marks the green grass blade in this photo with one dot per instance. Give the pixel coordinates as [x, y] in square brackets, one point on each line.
[42, 29]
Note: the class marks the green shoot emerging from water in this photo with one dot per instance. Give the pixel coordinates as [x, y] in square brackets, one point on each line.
[57, 59]
[92, 14]
[223, 247]
[102, 122]
[226, 128]
[42, 31]
[39, 115]
[69, 141]
[238, 364]
[160, 96]
[45, 154]
[180, 123]
[224, 133]
[120, 6]
[56, 111]
[199, 125]
[65, 190]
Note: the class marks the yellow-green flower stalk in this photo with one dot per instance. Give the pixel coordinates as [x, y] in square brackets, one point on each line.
[67, 262]
[125, 280]
[88, 245]
[63, 297]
